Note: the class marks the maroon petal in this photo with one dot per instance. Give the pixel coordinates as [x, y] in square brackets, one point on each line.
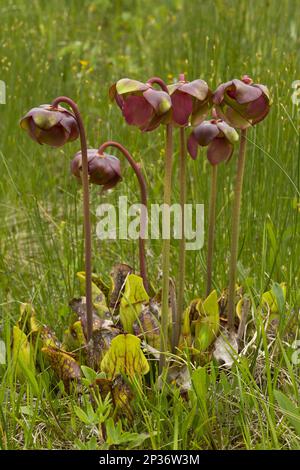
[205, 133]
[156, 120]
[182, 105]
[159, 100]
[114, 163]
[55, 137]
[262, 116]
[136, 110]
[219, 150]
[245, 93]
[264, 89]
[218, 95]
[71, 126]
[197, 88]
[192, 146]
[257, 108]
[28, 125]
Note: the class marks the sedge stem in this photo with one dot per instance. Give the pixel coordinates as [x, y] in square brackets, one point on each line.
[144, 203]
[86, 212]
[235, 228]
[211, 227]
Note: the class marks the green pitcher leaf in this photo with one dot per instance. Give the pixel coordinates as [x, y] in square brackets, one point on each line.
[27, 321]
[132, 301]
[274, 299]
[98, 295]
[208, 324]
[125, 356]
[74, 337]
[22, 353]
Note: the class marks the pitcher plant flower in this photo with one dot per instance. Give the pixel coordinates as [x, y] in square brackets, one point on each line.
[219, 138]
[190, 101]
[54, 125]
[141, 104]
[242, 104]
[103, 169]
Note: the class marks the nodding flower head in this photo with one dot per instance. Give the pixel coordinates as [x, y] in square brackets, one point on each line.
[217, 136]
[190, 100]
[242, 103]
[103, 170]
[141, 104]
[54, 126]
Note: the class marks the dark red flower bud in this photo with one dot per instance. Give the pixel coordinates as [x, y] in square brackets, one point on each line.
[242, 103]
[141, 104]
[217, 136]
[51, 126]
[189, 100]
[103, 170]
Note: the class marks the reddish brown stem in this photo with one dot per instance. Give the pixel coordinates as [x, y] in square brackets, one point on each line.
[235, 228]
[143, 188]
[211, 227]
[159, 82]
[86, 211]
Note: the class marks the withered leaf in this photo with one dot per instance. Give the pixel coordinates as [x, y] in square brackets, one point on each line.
[226, 349]
[118, 275]
[63, 364]
[148, 328]
[100, 344]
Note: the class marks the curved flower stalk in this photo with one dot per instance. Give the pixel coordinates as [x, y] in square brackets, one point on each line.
[219, 138]
[144, 202]
[242, 104]
[146, 107]
[190, 102]
[53, 125]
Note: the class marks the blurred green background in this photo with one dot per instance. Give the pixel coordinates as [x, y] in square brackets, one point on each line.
[79, 48]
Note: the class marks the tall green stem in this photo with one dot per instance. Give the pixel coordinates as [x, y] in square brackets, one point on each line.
[86, 212]
[181, 274]
[166, 247]
[235, 228]
[211, 227]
